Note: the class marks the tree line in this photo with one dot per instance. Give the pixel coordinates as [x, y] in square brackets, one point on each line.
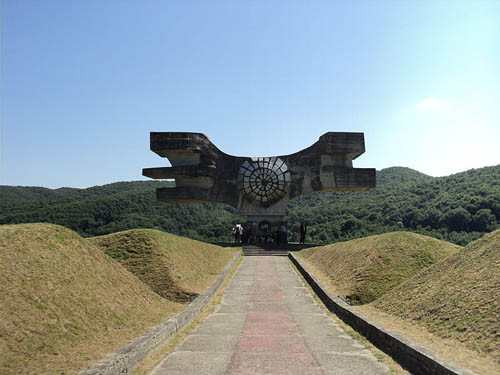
[457, 208]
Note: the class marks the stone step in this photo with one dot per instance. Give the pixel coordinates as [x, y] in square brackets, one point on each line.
[252, 250]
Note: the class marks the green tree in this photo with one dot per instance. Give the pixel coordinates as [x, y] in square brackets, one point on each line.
[483, 221]
[458, 219]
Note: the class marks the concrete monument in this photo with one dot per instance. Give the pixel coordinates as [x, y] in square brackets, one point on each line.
[259, 188]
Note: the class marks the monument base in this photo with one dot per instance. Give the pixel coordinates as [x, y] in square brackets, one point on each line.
[262, 229]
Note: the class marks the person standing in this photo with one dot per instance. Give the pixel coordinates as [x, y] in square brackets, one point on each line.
[233, 234]
[303, 231]
[240, 233]
[282, 234]
[237, 233]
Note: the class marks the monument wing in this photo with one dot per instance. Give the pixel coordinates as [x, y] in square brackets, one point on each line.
[261, 186]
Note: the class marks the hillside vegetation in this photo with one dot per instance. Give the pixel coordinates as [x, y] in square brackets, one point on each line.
[113, 208]
[176, 268]
[458, 298]
[66, 304]
[364, 269]
[457, 208]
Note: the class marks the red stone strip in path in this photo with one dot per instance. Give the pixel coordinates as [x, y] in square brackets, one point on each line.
[268, 323]
[271, 342]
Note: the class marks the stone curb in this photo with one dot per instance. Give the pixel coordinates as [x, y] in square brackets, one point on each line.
[126, 358]
[411, 356]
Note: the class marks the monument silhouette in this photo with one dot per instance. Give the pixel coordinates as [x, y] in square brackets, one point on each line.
[260, 188]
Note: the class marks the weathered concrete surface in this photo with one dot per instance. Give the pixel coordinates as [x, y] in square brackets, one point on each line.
[268, 323]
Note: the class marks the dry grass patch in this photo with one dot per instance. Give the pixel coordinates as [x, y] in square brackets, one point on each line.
[458, 298]
[447, 348]
[65, 303]
[364, 269]
[177, 268]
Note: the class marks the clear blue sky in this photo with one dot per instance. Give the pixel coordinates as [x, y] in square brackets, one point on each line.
[84, 82]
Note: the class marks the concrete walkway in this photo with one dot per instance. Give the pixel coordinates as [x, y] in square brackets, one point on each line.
[268, 323]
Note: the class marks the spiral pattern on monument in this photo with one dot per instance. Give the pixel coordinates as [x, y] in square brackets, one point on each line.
[264, 179]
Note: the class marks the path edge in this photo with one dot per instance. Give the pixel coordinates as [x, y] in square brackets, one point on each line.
[129, 356]
[411, 356]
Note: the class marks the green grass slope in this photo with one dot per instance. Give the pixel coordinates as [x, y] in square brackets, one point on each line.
[458, 298]
[176, 268]
[365, 269]
[64, 303]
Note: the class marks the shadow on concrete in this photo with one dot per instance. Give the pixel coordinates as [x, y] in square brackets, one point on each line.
[295, 246]
[227, 244]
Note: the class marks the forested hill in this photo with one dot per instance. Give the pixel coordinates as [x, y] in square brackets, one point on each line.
[457, 208]
[112, 208]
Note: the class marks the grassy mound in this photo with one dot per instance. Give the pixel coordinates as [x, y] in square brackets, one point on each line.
[458, 298]
[365, 269]
[176, 268]
[64, 303]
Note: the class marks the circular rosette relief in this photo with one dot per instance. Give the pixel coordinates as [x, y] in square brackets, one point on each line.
[264, 179]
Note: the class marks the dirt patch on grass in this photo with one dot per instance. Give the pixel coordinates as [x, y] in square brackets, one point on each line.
[364, 269]
[177, 268]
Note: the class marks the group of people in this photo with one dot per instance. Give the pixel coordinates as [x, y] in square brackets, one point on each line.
[266, 236]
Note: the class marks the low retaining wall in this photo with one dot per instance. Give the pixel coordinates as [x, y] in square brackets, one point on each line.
[411, 356]
[125, 359]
